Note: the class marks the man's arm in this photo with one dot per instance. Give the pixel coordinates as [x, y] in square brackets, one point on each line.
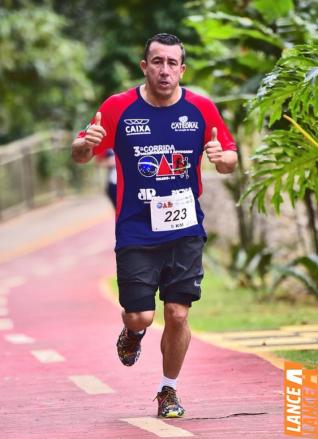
[81, 151]
[82, 147]
[225, 161]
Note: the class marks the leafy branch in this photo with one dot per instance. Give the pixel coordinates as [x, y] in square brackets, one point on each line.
[288, 160]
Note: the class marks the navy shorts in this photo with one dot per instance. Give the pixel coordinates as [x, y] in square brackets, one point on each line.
[174, 267]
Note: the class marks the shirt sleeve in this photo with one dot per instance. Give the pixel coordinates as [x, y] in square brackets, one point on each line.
[214, 119]
[112, 110]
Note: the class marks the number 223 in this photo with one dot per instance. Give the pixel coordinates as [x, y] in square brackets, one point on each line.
[175, 215]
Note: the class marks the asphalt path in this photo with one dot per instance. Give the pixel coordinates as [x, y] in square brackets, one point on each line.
[60, 377]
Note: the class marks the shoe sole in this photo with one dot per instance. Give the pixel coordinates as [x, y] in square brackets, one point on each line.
[130, 364]
[123, 361]
[172, 414]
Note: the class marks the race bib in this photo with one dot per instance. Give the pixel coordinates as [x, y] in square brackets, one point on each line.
[173, 212]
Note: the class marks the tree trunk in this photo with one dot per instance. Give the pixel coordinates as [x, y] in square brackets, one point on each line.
[312, 227]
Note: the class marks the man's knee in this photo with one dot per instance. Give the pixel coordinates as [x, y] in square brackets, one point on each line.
[136, 321]
[176, 314]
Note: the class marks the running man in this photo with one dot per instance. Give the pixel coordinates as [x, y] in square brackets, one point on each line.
[159, 131]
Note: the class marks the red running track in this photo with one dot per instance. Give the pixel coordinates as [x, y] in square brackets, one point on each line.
[54, 298]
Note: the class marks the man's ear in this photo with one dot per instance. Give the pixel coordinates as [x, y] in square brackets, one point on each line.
[183, 69]
[143, 65]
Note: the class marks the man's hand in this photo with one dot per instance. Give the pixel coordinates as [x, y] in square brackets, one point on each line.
[213, 148]
[82, 148]
[225, 161]
[95, 133]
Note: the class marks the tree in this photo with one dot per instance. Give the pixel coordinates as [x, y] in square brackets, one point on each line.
[288, 160]
[42, 80]
[241, 42]
[115, 32]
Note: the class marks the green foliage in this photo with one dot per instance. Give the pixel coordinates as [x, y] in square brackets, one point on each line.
[222, 26]
[44, 166]
[208, 257]
[251, 266]
[304, 269]
[292, 85]
[241, 41]
[287, 163]
[116, 31]
[272, 10]
[288, 160]
[42, 80]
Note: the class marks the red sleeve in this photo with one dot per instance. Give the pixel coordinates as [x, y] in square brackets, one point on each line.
[112, 110]
[212, 119]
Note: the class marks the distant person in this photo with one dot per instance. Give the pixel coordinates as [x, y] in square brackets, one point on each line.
[111, 182]
[159, 132]
[107, 159]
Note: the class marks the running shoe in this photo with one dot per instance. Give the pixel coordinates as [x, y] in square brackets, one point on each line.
[168, 403]
[129, 347]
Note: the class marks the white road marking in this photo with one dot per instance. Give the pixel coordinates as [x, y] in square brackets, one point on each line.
[10, 282]
[14, 281]
[6, 324]
[66, 261]
[91, 384]
[4, 312]
[157, 427]
[42, 269]
[19, 338]
[48, 356]
[94, 249]
[3, 301]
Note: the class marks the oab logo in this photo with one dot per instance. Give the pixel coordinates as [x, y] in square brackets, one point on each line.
[166, 205]
[137, 126]
[184, 124]
[148, 166]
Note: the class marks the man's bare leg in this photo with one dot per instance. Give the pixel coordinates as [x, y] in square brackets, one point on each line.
[175, 338]
[137, 321]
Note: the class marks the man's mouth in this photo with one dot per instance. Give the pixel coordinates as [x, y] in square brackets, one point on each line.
[164, 83]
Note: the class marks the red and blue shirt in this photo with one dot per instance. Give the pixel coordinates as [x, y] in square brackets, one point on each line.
[158, 152]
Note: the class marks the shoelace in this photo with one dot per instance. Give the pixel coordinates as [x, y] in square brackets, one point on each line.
[130, 342]
[170, 397]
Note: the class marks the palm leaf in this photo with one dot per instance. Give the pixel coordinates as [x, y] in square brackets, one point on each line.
[309, 277]
[288, 158]
[297, 274]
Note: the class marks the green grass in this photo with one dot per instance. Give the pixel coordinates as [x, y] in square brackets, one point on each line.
[309, 358]
[223, 307]
[226, 307]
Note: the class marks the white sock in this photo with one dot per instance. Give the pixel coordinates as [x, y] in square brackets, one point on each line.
[138, 332]
[167, 382]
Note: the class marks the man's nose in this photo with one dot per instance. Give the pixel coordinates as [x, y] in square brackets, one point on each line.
[164, 68]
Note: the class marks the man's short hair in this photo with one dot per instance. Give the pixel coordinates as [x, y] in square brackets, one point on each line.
[167, 39]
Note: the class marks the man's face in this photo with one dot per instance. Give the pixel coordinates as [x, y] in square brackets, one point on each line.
[163, 69]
